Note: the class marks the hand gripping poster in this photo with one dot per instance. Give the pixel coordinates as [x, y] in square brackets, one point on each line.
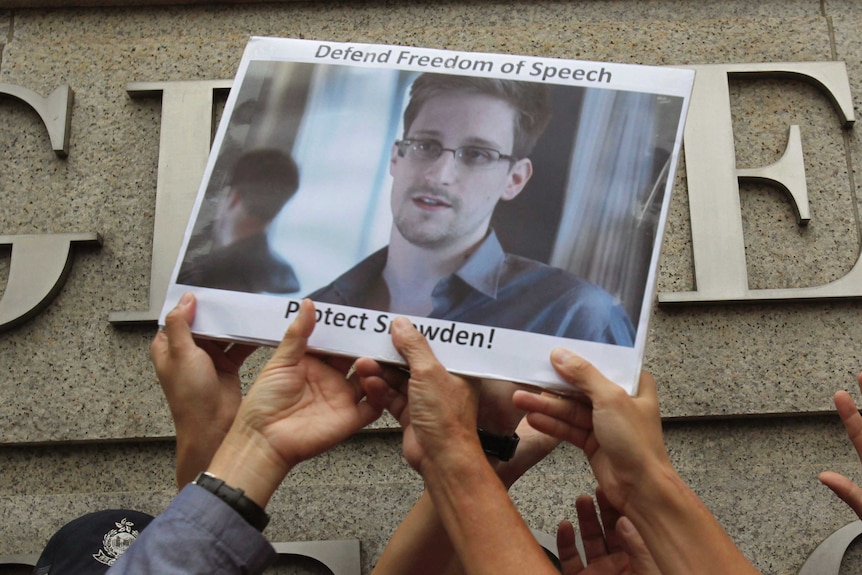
[506, 205]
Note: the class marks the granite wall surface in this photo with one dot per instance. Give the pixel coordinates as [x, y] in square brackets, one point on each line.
[83, 423]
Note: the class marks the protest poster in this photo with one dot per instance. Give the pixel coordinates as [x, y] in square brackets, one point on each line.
[506, 204]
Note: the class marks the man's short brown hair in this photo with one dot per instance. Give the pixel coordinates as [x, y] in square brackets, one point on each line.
[531, 101]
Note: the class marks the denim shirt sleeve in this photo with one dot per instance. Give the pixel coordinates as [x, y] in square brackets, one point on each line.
[197, 533]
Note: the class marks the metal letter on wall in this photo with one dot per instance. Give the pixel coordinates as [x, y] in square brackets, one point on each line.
[826, 559]
[40, 262]
[713, 184]
[340, 557]
[184, 144]
[55, 112]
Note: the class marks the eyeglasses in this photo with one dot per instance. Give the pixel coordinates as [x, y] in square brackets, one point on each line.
[467, 156]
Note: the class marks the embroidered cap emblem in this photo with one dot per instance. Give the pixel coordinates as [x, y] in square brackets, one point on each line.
[116, 541]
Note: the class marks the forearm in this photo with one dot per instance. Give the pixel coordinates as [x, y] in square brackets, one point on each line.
[681, 533]
[419, 546]
[485, 528]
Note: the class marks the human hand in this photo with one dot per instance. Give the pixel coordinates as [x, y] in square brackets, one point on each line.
[200, 380]
[298, 407]
[611, 547]
[842, 486]
[436, 409]
[620, 435]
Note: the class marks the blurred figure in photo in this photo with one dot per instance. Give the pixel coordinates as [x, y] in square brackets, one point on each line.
[241, 259]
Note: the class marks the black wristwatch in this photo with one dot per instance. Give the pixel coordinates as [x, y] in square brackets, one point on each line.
[500, 446]
[236, 498]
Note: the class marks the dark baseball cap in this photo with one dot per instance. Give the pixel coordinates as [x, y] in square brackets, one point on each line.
[91, 543]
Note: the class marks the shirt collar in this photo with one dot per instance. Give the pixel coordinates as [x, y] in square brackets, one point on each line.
[355, 283]
[482, 269]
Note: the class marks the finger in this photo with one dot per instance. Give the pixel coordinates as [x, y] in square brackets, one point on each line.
[846, 490]
[178, 324]
[647, 388]
[396, 377]
[851, 419]
[295, 342]
[381, 395]
[367, 367]
[568, 410]
[567, 549]
[579, 372]
[641, 559]
[592, 535]
[556, 428]
[415, 350]
[534, 444]
[609, 516]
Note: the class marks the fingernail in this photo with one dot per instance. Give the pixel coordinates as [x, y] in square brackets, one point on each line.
[400, 323]
[560, 355]
[186, 299]
[625, 525]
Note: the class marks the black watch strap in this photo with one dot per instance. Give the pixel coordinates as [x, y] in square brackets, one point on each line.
[500, 446]
[236, 498]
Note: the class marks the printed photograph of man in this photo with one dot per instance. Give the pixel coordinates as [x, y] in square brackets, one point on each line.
[465, 147]
[240, 257]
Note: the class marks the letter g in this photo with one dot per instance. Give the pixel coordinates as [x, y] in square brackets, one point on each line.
[40, 262]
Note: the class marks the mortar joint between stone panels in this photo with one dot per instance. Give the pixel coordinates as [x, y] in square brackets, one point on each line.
[833, 49]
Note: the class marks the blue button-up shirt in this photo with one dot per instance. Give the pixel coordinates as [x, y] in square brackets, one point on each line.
[497, 289]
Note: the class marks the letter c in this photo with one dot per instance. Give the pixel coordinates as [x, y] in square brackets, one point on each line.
[55, 112]
[41, 262]
[826, 559]
[39, 268]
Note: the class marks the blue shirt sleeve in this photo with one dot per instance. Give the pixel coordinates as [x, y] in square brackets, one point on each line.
[197, 533]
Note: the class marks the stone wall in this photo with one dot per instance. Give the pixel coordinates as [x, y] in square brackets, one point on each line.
[746, 389]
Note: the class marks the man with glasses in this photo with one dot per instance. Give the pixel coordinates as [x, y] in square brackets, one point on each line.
[465, 147]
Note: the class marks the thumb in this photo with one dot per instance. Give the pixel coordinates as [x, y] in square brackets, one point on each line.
[178, 324]
[578, 372]
[412, 345]
[295, 342]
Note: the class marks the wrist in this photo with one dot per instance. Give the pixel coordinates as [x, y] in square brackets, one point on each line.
[681, 533]
[660, 495]
[246, 461]
[196, 442]
[235, 498]
[462, 457]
